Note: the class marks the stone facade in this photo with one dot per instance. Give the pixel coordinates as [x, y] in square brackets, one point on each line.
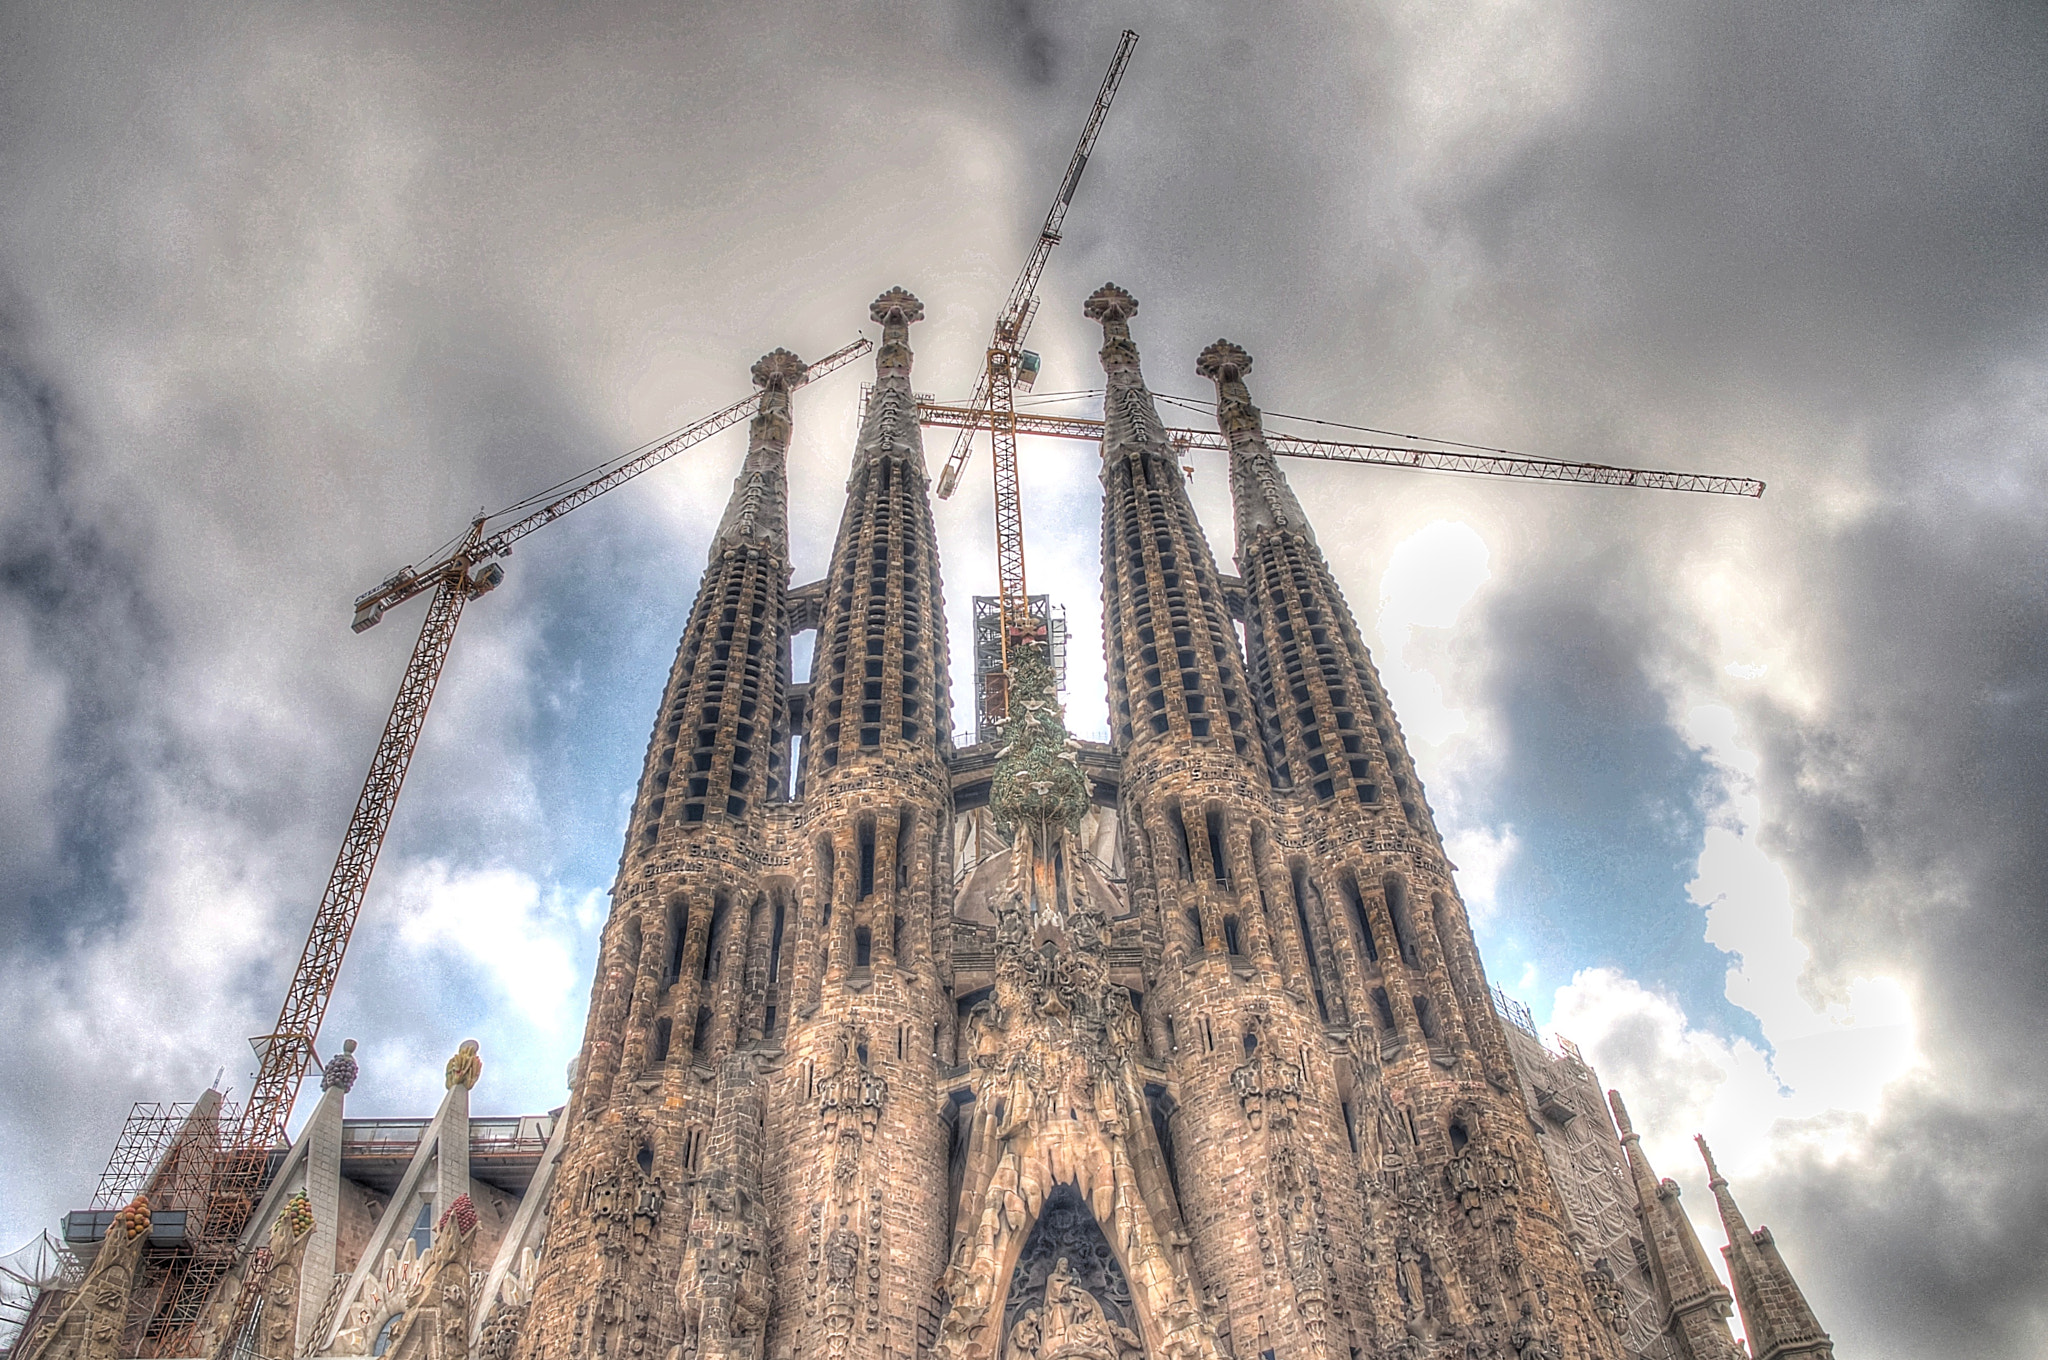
[1178, 1047]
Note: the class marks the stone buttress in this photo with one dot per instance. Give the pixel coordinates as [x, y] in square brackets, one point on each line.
[855, 1173]
[1459, 1195]
[670, 1000]
[1776, 1318]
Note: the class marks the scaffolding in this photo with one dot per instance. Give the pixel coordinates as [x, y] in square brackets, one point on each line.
[167, 1150]
[988, 652]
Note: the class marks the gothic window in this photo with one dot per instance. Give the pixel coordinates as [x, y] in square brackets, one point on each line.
[1231, 940]
[714, 939]
[702, 1034]
[1404, 928]
[867, 858]
[661, 1033]
[863, 946]
[678, 935]
[1364, 919]
[1217, 863]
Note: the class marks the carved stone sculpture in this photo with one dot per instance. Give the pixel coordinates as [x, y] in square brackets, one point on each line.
[90, 1326]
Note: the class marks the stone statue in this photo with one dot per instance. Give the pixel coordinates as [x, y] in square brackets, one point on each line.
[1070, 1325]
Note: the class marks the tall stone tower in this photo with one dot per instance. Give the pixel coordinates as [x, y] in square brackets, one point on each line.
[857, 1164]
[1176, 1047]
[674, 990]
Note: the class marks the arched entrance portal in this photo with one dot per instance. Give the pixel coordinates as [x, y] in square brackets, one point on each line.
[1068, 1297]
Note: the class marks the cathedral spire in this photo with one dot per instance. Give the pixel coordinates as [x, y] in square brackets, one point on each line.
[1696, 1305]
[758, 512]
[1775, 1314]
[1260, 495]
[1176, 673]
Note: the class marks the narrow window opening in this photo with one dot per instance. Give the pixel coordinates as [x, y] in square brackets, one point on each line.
[775, 945]
[1425, 1015]
[645, 1158]
[1172, 1037]
[867, 858]
[661, 1033]
[678, 935]
[1351, 1127]
[1459, 1135]
[1216, 858]
[1231, 941]
[1404, 930]
[1251, 1042]
[702, 1034]
[1385, 1008]
[1208, 1035]
[1186, 852]
[896, 938]
[1357, 900]
[863, 946]
[714, 939]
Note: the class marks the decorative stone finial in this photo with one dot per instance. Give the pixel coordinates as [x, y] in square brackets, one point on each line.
[780, 370]
[897, 307]
[1110, 303]
[1223, 361]
[465, 1067]
[463, 1212]
[341, 1070]
[134, 1218]
[297, 1215]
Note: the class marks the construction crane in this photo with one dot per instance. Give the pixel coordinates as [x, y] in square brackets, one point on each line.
[458, 576]
[1008, 367]
[1488, 462]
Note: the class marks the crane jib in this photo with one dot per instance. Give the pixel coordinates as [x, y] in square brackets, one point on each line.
[1073, 178]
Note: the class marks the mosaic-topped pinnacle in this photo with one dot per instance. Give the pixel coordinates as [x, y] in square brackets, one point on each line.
[1110, 303]
[1223, 361]
[780, 370]
[898, 306]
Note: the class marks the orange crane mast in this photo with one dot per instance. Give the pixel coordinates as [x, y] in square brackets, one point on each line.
[458, 576]
[1009, 366]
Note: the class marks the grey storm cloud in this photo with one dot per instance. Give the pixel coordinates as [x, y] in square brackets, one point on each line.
[288, 292]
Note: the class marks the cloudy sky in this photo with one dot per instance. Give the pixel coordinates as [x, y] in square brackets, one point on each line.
[1748, 795]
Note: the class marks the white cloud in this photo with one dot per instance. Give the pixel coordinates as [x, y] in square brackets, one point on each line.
[1430, 578]
[1481, 853]
[497, 923]
[1823, 1081]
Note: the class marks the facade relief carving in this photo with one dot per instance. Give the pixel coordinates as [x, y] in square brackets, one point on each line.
[1059, 1115]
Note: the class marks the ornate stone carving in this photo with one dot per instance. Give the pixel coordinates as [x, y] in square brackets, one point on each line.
[90, 1326]
[466, 1067]
[424, 1299]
